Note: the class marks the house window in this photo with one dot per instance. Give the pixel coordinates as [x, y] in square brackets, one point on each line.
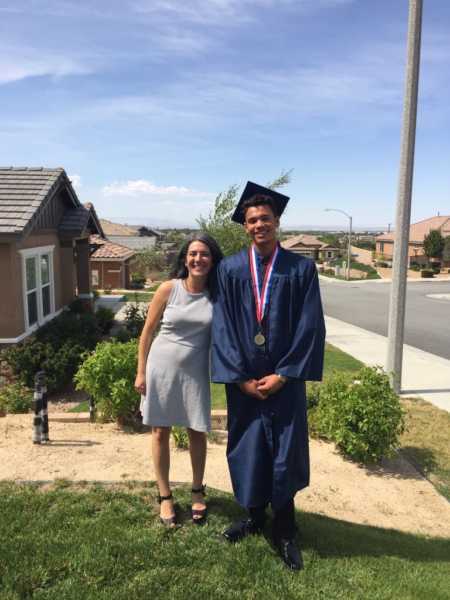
[329, 254]
[38, 285]
[94, 277]
[381, 246]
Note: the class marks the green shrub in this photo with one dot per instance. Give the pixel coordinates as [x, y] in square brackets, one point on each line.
[360, 413]
[414, 267]
[105, 318]
[15, 398]
[108, 376]
[56, 348]
[31, 356]
[427, 273]
[135, 315]
[137, 282]
[78, 306]
[80, 329]
[122, 336]
[180, 437]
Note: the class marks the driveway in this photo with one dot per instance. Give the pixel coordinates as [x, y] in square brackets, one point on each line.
[361, 255]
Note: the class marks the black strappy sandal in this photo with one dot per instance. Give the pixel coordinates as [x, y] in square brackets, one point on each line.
[199, 514]
[169, 521]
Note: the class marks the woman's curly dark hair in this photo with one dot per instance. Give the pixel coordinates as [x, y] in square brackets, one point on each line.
[180, 271]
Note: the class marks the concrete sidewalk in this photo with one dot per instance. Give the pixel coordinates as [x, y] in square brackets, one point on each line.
[425, 375]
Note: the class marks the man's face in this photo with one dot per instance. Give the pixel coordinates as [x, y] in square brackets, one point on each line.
[261, 224]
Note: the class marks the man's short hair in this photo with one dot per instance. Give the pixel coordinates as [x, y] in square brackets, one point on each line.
[260, 200]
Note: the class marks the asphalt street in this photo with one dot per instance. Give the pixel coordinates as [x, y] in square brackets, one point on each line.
[427, 324]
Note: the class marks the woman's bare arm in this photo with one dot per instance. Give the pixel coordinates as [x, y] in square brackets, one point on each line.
[154, 314]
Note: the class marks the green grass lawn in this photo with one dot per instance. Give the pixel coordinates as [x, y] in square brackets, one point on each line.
[334, 359]
[426, 442]
[137, 296]
[107, 544]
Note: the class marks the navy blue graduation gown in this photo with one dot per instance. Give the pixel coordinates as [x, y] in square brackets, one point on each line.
[267, 450]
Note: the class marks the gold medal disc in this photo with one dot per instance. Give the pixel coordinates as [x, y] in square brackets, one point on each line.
[259, 339]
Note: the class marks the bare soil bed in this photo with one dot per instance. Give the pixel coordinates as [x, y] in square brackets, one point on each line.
[393, 495]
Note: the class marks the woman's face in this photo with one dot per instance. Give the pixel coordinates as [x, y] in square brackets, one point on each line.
[198, 259]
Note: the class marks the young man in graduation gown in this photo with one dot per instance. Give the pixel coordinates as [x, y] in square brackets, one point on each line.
[268, 339]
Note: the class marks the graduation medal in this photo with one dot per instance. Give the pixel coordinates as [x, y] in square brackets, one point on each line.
[261, 296]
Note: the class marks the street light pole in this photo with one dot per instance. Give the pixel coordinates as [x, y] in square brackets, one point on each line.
[403, 217]
[349, 249]
[349, 245]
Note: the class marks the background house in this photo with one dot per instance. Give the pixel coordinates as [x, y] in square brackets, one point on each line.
[44, 248]
[135, 238]
[110, 264]
[417, 233]
[309, 245]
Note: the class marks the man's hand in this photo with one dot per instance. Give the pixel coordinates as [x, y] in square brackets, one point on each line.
[250, 388]
[270, 384]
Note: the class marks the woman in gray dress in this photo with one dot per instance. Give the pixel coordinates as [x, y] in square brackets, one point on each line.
[173, 371]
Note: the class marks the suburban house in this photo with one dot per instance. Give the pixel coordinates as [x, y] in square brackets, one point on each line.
[110, 264]
[44, 248]
[135, 238]
[309, 245]
[417, 233]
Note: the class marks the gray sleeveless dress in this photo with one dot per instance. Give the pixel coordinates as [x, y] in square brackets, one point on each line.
[177, 371]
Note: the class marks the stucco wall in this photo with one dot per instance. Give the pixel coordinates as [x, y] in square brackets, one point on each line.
[11, 311]
[388, 249]
[110, 274]
[12, 318]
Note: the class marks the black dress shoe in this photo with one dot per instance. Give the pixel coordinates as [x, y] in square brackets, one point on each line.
[290, 554]
[242, 529]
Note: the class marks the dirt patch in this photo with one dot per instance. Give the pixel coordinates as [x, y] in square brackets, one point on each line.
[393, 495]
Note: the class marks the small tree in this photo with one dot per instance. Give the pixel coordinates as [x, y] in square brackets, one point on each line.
[231, 236]
[446, 250]
[149, 260]
[433, 244]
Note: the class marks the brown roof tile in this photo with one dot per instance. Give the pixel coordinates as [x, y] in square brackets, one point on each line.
[22, 191]
[111, 228]
[303, 239]
[418, 231]
[109, 250]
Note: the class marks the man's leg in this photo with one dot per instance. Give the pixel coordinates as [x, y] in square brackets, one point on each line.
[283, 525]
[283, 531]
[254, 524]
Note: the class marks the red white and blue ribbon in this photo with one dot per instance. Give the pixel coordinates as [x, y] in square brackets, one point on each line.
[261, 295]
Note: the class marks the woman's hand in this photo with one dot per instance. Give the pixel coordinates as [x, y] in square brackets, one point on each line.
[139, 384]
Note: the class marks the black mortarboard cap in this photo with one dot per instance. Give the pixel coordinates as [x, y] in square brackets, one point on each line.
[251, 189]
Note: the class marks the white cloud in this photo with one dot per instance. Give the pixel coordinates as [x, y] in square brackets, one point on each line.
[76, 181]
[143, 187]
[20, 63]
[226, 12]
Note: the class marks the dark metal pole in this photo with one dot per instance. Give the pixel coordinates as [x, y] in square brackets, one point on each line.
[403, 218]
[37, 405]
[44, 411]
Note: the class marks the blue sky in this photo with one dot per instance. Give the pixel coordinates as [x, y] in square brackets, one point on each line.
[155, 106]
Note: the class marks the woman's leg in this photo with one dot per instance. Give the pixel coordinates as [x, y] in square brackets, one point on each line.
[161, 462]
[197, 449]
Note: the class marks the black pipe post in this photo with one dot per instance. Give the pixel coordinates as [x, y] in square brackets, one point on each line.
[37, 406]
[44, 409]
